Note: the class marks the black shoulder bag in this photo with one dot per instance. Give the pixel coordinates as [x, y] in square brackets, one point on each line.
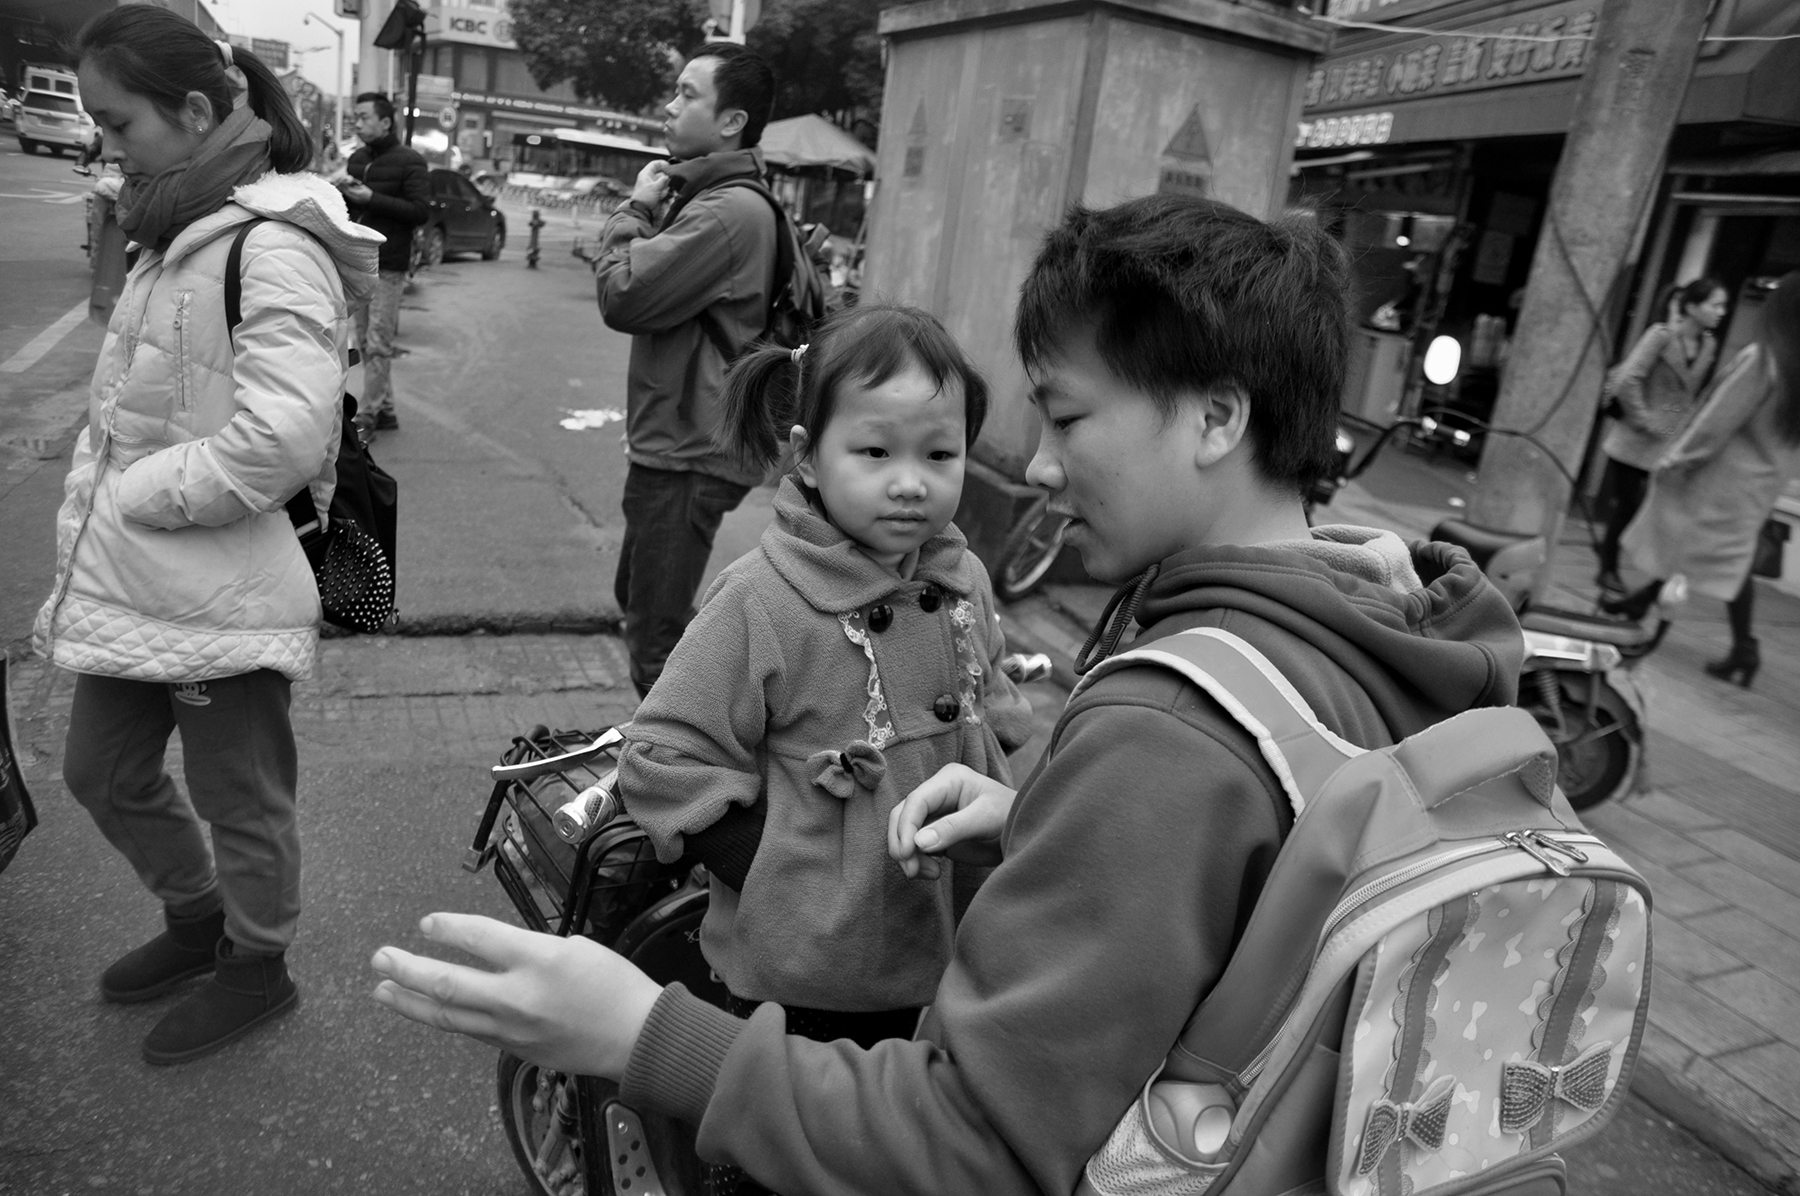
[351, 550]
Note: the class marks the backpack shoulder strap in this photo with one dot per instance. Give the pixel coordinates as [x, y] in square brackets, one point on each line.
[301, 510]
[1302, 751]
[784, 261]
[234, 278]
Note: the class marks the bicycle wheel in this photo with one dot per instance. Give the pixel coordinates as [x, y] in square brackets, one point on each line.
[1030, 551]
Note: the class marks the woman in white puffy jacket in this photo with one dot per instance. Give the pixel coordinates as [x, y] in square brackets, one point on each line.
[182, 597]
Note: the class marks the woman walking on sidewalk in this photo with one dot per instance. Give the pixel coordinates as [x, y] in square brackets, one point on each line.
[1656, 389]
[182, 598]
[1717, 483]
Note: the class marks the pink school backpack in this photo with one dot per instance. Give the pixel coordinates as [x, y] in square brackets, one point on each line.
[1443, 983]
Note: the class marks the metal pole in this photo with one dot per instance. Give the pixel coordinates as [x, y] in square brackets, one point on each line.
[412, 84]
[338, 98]
[1626, 109]
[737, 21]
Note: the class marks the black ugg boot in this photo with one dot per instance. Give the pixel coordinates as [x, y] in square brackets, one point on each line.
[246, 990]
[185, 949]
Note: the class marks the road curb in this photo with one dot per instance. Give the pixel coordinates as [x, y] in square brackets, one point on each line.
[520, 623]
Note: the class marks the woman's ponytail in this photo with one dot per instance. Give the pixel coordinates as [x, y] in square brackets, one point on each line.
[290, 149]
[761, 403]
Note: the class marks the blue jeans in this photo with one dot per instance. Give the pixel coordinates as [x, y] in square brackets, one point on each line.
[670, 521]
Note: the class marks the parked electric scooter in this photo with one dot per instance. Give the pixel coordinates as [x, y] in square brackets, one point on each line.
[1576, 679]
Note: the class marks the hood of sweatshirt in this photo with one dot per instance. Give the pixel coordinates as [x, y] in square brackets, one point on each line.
[833, 574]
[305, 201]
[1418, 626]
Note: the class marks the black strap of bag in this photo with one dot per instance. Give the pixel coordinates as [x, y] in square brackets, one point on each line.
[786, 239]
[351, 546]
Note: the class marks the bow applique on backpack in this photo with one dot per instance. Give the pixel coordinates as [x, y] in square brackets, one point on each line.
[1444, 981]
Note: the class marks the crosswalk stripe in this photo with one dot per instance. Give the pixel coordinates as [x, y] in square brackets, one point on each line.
[44, 341]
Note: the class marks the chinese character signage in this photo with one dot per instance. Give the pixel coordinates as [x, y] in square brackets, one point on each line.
[273, 53]
[483, 26]
[1485, 54]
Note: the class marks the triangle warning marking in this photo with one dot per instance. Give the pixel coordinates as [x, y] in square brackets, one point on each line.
[1190, 140]
[918, 121]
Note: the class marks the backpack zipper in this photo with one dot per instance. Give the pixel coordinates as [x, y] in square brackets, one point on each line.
[1539, 845]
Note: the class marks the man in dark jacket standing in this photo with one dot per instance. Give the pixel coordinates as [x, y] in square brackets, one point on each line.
[686, 266]
[390, 191]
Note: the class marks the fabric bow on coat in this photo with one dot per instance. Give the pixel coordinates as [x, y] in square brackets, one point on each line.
[841, 774]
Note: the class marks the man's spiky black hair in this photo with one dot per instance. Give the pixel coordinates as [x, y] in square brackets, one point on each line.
[1184, 295]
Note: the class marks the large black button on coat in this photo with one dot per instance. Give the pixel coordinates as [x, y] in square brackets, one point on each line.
[946, 708]
[881, 617]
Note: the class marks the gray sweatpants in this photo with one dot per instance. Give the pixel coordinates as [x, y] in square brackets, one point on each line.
[238, 748]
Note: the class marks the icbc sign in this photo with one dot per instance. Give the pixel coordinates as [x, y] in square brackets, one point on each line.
[475, 26]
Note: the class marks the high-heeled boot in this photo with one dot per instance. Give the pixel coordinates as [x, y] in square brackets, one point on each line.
[1741, 663]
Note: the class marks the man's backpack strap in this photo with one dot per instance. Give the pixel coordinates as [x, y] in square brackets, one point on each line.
[1302, 751]
[301, 510]
[784, 263]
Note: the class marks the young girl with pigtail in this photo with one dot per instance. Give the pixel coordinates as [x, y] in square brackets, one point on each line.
[840, 664]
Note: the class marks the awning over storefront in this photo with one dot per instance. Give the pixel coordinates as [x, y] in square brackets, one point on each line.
[812, 141]
[1479, 78]
[1755, 81]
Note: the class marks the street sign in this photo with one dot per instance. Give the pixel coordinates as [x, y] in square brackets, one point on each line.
[273, 53]
[447, 117]
[436, 91]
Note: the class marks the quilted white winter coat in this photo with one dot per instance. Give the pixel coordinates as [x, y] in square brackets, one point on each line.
[175, 558]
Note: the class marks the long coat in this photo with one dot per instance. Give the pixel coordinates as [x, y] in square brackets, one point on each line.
[1657, 388]
[1716, 484]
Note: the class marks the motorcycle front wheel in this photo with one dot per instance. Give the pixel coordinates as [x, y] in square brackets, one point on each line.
[1597, 750]
[550, 1115]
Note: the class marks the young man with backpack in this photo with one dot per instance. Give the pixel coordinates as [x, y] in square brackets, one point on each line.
[687, 266]
[1186, 360]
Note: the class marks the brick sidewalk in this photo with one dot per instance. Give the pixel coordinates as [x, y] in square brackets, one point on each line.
[1717, 834]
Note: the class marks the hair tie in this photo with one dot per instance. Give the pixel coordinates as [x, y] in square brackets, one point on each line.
[797, 354]
[234, 75]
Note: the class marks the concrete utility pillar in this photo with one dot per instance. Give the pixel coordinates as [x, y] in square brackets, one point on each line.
[999, 114]
[1625, 112]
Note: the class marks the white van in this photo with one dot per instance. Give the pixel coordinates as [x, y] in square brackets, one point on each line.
[50, 112]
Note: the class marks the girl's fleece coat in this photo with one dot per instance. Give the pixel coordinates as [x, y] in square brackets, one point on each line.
[817, 679]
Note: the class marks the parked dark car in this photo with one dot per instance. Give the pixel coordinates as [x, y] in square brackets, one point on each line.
[462, 220]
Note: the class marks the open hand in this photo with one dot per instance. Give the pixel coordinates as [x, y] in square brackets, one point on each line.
[958, 813]
[564, 1003]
